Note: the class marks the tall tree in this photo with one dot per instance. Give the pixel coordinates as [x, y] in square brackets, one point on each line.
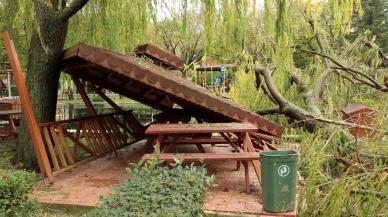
[44, 65]
[375, 20]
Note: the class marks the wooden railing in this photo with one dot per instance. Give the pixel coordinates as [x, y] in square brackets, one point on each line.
[70, 141]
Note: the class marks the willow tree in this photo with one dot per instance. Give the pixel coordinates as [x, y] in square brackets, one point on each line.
[44, 65]
[308, 62]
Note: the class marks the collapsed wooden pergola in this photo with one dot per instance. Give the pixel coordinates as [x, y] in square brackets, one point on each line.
[150, 83]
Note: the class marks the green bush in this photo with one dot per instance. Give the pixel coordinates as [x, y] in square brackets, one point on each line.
[14, 187]
[155, 190]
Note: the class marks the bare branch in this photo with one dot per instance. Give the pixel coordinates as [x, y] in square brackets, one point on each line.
[270, 111]
[73, 8]
[381, 53]
[346, 69]
[276, 95]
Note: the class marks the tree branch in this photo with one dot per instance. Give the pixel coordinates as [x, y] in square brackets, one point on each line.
[276, 95]
[311, 120]
[73, 8]
[270, 111]
[381, 53]
[345, 68]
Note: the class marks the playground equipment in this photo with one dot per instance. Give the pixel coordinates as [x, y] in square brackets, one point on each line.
[217, 78]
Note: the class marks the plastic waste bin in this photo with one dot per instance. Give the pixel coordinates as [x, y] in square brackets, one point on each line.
[278, 180]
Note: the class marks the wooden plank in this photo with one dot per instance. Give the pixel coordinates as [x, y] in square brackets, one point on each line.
[50, 148]
[154, 129]
[33, 127]
[99, 143]
[79, 119]
[133, 123]
[65, 145]
[183, 141]
[227, 138]
[76, 139]
[58, 146]
[112, 131]
[110, 126]
[85, 130]
[170, 157]
[92, 111]
[121, 135]
[200, 148]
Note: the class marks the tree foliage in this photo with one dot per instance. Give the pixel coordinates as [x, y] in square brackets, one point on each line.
[374, 20]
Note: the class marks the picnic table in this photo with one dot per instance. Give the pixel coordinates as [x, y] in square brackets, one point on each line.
[10, 128]
[166, 136]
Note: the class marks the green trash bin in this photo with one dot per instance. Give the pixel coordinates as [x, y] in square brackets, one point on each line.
[278, 180]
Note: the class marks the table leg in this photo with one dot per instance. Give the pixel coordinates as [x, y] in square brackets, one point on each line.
[247, 186]
[167, 147]
[248, 147]
[200, 148]
[11, 124]
[147, 145]
[158, 142]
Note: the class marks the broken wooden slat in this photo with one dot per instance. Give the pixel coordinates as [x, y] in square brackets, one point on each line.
[65, 145]
[58, 146]
[85, 129]
[111, 131]
[50, 148]
[94, 134]
[76, 140]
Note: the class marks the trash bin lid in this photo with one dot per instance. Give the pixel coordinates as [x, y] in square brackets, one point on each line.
[289, 155]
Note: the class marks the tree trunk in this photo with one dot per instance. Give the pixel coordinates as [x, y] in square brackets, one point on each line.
[43, 69]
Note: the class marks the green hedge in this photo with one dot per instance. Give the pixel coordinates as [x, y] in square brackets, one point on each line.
[155, 190]
[14, 187]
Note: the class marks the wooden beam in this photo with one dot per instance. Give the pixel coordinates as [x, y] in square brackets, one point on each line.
[84, 96]
[32, 123]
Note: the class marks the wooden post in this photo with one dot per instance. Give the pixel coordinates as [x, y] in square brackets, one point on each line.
[32, 124]
[92, 111]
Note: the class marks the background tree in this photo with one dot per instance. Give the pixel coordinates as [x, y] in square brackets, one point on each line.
[374, 20]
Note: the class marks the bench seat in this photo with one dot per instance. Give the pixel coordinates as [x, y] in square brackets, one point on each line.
[171, 157]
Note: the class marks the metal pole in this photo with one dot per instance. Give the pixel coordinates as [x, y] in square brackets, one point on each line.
[9, 83]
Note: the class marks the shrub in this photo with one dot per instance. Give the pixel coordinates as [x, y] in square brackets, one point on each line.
[14, 187]
[155, 190]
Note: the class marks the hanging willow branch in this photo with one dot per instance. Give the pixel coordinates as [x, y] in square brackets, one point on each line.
[73, 8]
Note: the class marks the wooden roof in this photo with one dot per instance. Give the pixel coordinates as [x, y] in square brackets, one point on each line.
[160, 57]
[156, 87]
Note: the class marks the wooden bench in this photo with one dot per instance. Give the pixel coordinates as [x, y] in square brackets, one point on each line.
[204, 157]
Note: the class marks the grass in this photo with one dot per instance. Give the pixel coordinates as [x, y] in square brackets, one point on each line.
[339, 180]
